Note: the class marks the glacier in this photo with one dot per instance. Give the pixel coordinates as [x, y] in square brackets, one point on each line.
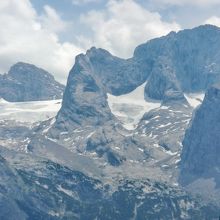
[131, 107]
[29, 112]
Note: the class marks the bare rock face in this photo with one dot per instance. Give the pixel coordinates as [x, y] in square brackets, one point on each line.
[186, 61]
[192, 55]
[26, 82]
[183, 62]
[93, 76]
[84, 100]
[201, 145]
[170, 66]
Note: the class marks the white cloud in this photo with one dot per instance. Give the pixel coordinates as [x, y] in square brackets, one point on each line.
[214, 20]
[122, 25]
[52, 21]
[83, 2]
[201, 3]
[29, 38]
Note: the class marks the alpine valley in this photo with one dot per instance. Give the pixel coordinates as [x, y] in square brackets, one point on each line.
[135, 138]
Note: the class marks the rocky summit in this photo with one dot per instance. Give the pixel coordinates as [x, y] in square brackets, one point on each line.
[26, 82]
[133, 138]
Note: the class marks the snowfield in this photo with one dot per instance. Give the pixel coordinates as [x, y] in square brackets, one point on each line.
[29, 112]
[131, 107]
[194, 99]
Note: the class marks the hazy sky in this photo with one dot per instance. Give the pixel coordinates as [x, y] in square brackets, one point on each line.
[50, 33]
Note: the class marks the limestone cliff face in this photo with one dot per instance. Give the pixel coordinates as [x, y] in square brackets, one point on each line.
[188, 60]
[178, 63]
[201, 146]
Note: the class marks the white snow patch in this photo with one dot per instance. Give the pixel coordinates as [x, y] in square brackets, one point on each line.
[77, 131]
[194, 99]
[90, 135]
[37, 182]
[164, 107]
[177, 161]
[157, 116]
[45, 186]
[52, 139]
[53, 213]
[50, 126]
[180, 143]
[171, 153]
[2, 101]
[30, 112]
[93, 153]
[66, 191]
[156, 145]
[162, 126]
[67, 139]
[130, 108]
[64, 133]
[165, 151]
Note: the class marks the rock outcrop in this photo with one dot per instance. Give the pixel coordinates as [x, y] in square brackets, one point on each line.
[26, 82]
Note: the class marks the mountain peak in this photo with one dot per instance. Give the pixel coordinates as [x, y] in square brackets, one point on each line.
[207, 27]
[23, 70]
[27, 82]
[97, 51]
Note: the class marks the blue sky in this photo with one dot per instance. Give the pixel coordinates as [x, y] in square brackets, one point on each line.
[50, 33]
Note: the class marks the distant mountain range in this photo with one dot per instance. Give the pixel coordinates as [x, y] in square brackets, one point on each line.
[26, 82]
[133, 138]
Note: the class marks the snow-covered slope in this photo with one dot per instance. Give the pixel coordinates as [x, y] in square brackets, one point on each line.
[194, 99]
[29, 112]
[131, 107]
